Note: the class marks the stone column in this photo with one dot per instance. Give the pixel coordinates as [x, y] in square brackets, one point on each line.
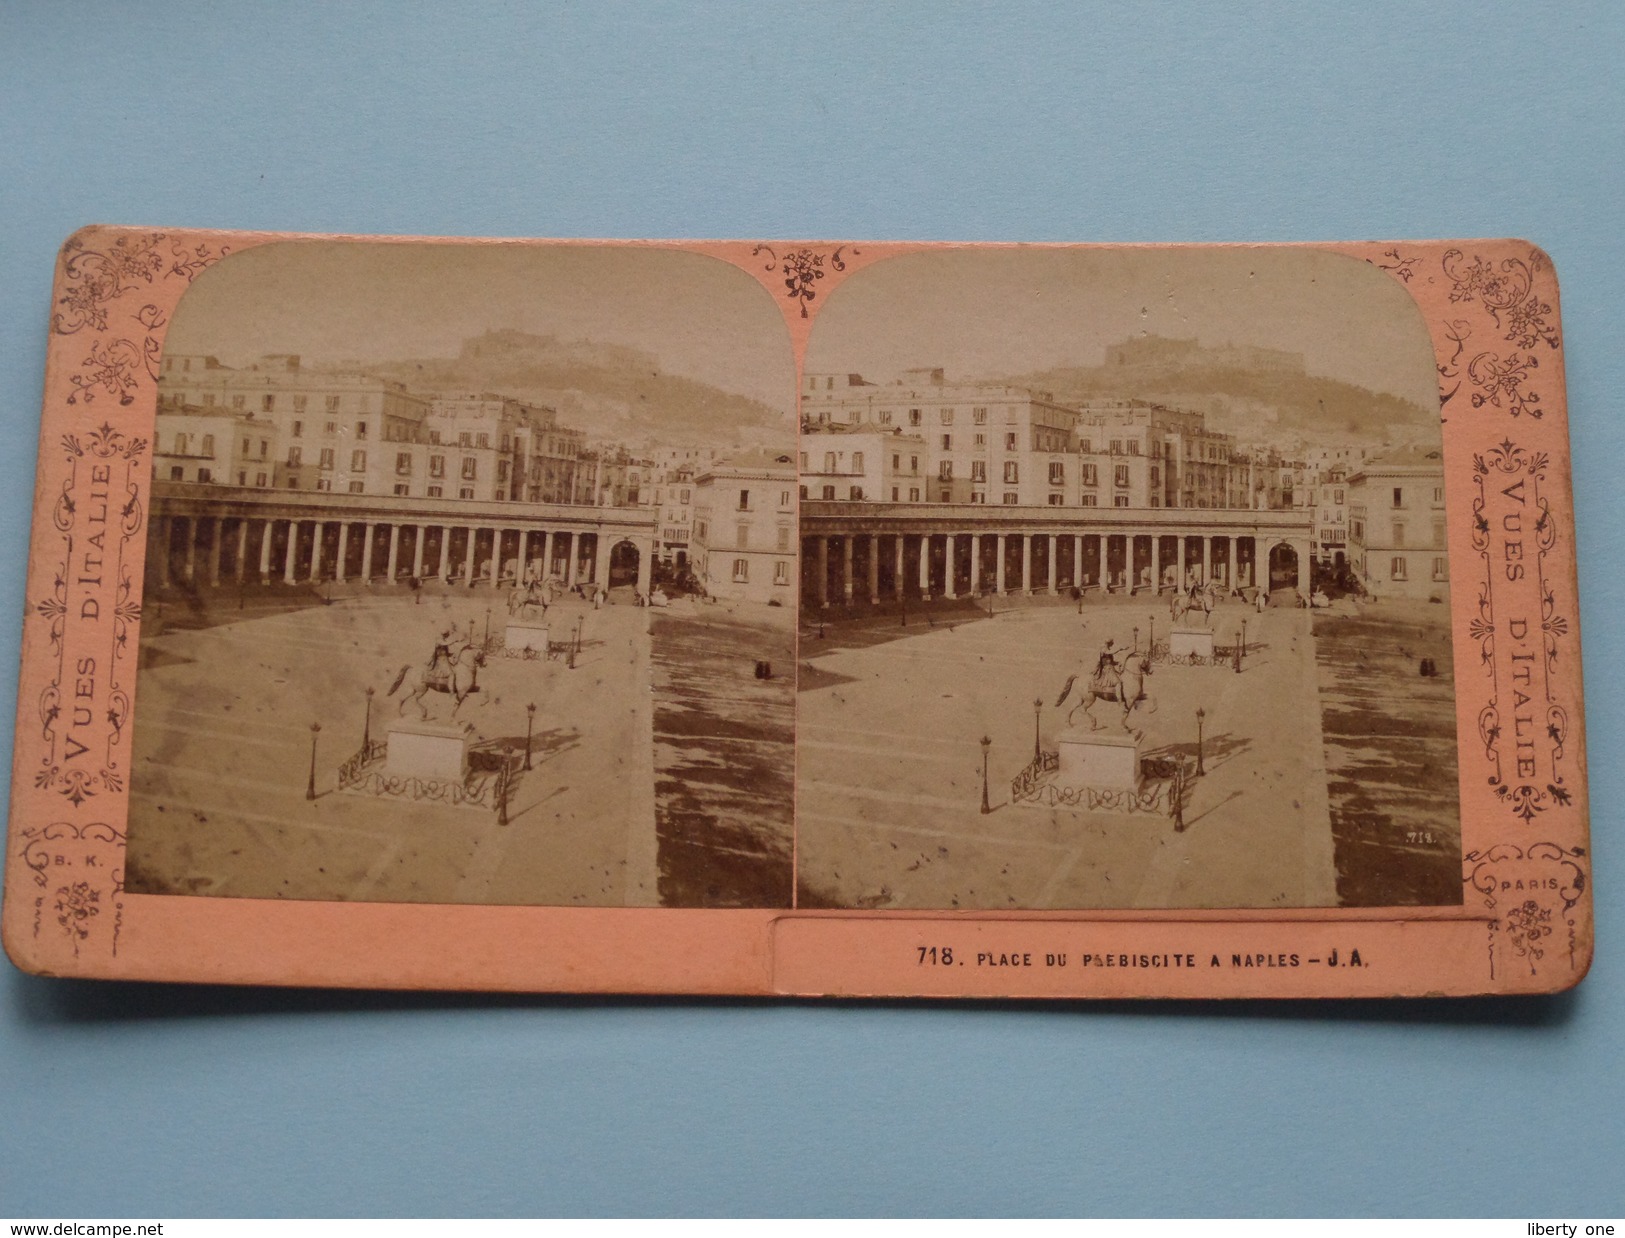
[468, 555]
[645, 566]
[823, 572]
[366, 554]
[217, 532]
[874, 569]
[948, 584]
[1054, 564]
[341, 560]
[1305, 578]
[241, 565]
[266, 528]
[393, 564]
[846, 569]
[1229, 545]
[1105, 575]
[570, 563]
[998, 585]
[316, 550]
[1182, 581]
[191, 549]
[975, 563]
[600, 562]
[1207, 558]
[166, 527]
[523, 558]
[925, 567]
[1156, 564]
[1077, 561]
[897, 576]
[547, 553]
[444, 570]
[1027, 543]
[292, 557]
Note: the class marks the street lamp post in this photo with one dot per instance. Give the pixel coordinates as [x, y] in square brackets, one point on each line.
[310, 787]
[366, 729]
[1201, 770]
[1038, 710]
[530, 718]
[987, 743]
[1243, 638]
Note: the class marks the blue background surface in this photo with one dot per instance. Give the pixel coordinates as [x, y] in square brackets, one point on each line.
[1100, 122]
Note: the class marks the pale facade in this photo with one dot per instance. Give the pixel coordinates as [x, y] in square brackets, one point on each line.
[1397, 525]
[744, 545]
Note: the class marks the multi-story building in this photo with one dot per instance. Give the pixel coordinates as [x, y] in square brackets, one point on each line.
[744, 544]
[858, 465]
[1397, 525]
[353, 433]
[1331, 528]
[214, 445]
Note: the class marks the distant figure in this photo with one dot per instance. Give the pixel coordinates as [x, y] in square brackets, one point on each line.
[1261, 600]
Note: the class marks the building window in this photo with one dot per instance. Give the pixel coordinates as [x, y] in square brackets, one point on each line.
[327, 458]
[435, 492]
[781, 572]
[403, 463]
[1012, 472]
[855, 493]
[978, 470]
[332, 427]
[1011, 498]
[260, 479]
[208, 445]
[784, 537]
[744, 500]
[913, 464]
[857, 462]
[361, 429]
[332, 404]
[204, 475]
[947, 442]
[1441, 568]
[829, 492]
[267, 403]
[465, 492]
[1438, 496]
[1134, 447]
[1117, 447]
[945, 470]
[1396, 568]
[1010, 441]
[978, 496]
[1055, 500]
[1120, 475]
[402, 488]
[1091, 475]
[979, 416]
[913, 416]
[913, 494]
[804, 492]
[437, 466]
[980, 440]
[483, 439]
[358, 461]
[1090, 500]
[741, 571]
[356, 487]
[237, 401]
[471, 468]
[884, 416]
[1399, 496]
[1399, 533]
[295, 456]
[742, 537]
[1057, 473]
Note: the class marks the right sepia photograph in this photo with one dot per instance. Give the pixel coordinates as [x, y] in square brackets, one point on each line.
[1124, 585]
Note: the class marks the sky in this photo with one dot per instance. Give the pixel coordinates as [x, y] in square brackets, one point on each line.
[995, 312]
[369, 301]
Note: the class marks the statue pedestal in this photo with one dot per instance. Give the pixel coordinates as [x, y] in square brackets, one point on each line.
[1103, 761]
[525, 635]
[425, 750]
[1191, 643]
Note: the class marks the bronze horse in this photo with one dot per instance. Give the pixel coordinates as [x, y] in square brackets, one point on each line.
[459, 679]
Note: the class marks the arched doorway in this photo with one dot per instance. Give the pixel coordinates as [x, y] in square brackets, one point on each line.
[1283, 567]
[623, 564]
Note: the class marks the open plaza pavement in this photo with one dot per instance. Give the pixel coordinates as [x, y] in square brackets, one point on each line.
[891, 720]
[223, 739]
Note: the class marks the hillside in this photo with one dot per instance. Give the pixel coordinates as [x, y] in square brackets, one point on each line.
[613, 393]
[1254, 405]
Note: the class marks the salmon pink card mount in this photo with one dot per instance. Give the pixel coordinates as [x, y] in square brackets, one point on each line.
[789, 618]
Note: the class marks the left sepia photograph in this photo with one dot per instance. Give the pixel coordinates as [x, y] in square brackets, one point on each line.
[470, 578]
